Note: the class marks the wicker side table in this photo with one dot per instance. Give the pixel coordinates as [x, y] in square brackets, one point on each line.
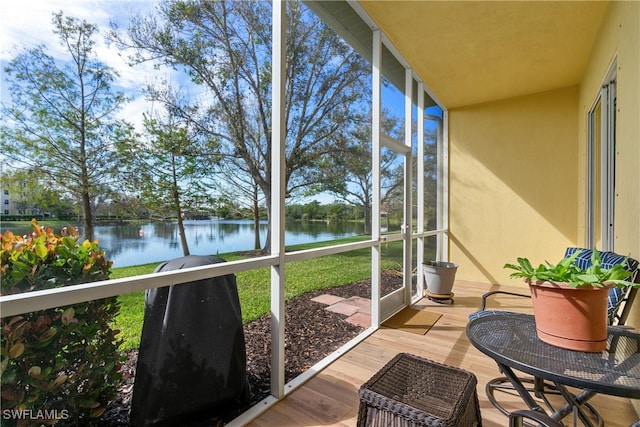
[413, 391]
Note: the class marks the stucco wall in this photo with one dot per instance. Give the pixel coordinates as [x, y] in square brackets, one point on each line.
[518, 167]
[513, 180]
[618, 38]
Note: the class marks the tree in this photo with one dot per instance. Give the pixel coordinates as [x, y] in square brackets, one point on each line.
[225, 47]
[61, 119]
[351, 178]
[431, 137]
[244, 191]
[169, 171]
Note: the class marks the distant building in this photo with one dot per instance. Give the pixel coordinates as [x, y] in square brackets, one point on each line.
[5, 201]
[12, 202]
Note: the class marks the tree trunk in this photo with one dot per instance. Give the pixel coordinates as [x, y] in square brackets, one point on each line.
[87, 216]
[256, 220]
[178, 206]
[183, 238]
[367, 219]
[267, 242]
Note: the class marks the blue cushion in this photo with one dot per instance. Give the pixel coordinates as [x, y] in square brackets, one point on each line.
[608, 260]
[584, 259]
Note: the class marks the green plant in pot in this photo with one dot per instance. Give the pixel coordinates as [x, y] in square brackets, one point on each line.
[569, 302]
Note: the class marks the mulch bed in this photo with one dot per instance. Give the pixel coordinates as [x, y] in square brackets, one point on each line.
[311, 333]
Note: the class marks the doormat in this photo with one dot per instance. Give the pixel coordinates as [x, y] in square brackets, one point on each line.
[412, 320]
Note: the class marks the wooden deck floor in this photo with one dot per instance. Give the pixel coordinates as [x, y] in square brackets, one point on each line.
[330, 398]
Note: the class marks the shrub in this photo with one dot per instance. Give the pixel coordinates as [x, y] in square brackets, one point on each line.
[60, 365]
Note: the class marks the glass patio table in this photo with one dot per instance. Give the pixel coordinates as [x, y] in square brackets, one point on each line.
[510, 339]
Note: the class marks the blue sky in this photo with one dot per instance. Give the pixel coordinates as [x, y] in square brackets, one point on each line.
[28, 23]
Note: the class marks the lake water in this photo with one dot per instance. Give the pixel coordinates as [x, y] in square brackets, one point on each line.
[133, 244]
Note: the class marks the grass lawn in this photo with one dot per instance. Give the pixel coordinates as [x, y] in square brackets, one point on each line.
[254, 285]
[26, 225]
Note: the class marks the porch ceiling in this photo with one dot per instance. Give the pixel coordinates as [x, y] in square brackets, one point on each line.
[469, 52]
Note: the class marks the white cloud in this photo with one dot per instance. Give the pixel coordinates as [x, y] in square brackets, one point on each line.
[27, 23]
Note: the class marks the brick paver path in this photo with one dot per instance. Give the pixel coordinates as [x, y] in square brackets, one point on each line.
[356, 309]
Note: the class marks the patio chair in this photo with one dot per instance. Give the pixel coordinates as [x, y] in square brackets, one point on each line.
[618, 308]
[620, 300]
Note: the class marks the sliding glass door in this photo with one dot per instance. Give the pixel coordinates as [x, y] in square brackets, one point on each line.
[601, 184]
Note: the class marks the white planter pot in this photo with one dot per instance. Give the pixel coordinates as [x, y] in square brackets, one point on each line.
[439, 276]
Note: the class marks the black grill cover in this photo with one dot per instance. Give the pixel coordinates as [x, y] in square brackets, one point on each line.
[192, 357]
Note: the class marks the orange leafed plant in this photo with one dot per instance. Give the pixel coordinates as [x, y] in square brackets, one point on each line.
[60, 360]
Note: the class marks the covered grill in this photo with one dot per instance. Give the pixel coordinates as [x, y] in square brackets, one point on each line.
[192, 357]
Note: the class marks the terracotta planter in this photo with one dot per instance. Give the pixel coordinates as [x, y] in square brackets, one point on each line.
[571, 318]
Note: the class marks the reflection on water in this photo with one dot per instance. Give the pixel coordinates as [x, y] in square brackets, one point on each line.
[133, 244]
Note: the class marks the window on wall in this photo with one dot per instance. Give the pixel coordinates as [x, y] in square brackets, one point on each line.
[601, 166]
